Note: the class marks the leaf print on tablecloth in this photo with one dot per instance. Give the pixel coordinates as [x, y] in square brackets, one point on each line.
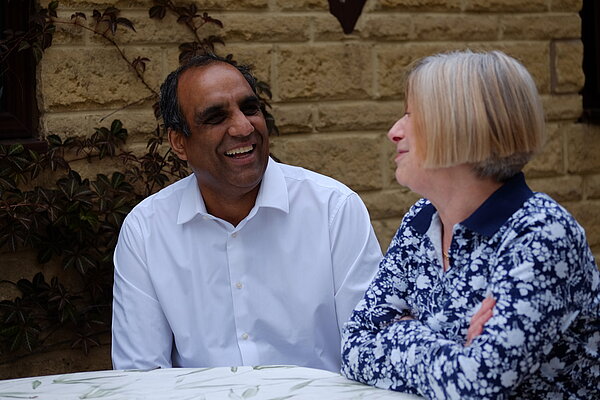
[250, 392]
[302, 384]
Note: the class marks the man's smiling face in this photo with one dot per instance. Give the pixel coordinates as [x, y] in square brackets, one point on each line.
[228, 148]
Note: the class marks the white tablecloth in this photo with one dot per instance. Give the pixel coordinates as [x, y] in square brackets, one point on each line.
[262, 382]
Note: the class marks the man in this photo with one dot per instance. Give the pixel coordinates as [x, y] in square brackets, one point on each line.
[246, 261]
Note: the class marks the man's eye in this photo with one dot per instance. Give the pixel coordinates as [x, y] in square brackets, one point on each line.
[214, 120]
[251, 109]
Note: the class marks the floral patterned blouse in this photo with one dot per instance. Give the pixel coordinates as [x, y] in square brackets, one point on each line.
[543, 340]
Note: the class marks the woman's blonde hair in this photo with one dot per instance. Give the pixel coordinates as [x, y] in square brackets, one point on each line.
[476, 108]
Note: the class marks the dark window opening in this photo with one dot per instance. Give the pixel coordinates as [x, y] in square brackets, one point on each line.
[18, 105]
[590, 35]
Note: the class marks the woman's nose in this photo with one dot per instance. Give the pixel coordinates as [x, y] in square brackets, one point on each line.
[395, 132]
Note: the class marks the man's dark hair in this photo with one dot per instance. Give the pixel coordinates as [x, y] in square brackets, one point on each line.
[170, 110]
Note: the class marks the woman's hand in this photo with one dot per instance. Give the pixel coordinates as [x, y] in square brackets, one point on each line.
[480, 318]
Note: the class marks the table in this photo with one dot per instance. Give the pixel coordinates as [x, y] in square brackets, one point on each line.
[260, 382]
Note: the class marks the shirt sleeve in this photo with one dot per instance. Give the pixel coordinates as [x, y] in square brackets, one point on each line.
[538, 276]
[141, 336]
[355, 254]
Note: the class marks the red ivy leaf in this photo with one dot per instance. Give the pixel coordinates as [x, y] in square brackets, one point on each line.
[211, 20]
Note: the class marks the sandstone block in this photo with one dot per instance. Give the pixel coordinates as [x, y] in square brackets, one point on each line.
[454, 27]
[393, 60]
[140, 123]
[388, 164]
[534, 55]
[258, 56]
[293, 118]
[511, 6]
[389, 203]
[385, 229]
[351, 159]
[417, 5]
[302, 5]
[592, 186]
[541, 26]
[583, 147]
[170, 56]
[67, 32]
[568, 73]
[560, 188]
[327, 28]
[148, 30]
[100, 5]
[231, 5]
[66, 124]
[565, 5]
[93, 77]
[551, 161]
[386, 27]
[147, 4]
[327, 71]
[562, 107]
[358, 116]
[587, 213]
[265, 27]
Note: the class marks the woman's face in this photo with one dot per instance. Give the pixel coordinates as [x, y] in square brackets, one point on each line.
[409, 170]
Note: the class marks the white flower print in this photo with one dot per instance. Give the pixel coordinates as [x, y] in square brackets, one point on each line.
[536, 263]
[551, 368]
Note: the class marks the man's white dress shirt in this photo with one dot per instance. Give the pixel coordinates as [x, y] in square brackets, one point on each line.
[192, 290]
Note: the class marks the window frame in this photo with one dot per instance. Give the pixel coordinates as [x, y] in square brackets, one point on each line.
[590, 36]
[19, 114]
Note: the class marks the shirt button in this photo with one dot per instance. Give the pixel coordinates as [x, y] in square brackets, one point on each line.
[234, 235]
[245, 336]
[239, 285]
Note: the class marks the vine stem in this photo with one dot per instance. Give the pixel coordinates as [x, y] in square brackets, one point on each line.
[189, 23]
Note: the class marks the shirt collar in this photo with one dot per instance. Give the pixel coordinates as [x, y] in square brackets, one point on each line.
[492, 214]
[272, 193]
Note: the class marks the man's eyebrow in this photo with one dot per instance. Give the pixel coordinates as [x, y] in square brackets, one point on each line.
[250, 99]
[202, 115]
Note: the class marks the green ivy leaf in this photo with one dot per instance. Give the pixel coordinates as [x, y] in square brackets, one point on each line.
[157, 12]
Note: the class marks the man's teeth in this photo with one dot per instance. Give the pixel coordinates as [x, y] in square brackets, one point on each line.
[239, 150]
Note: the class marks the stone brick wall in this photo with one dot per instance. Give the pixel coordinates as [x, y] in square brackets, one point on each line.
[335, 95]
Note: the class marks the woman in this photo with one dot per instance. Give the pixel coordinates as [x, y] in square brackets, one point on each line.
[488, 290]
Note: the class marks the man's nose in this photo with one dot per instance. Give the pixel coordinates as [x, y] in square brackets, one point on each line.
[240, 125]
[395, 134]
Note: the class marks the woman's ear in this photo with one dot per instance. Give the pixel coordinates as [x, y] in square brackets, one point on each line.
[177, 141]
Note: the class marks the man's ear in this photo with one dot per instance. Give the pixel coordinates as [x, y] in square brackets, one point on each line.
[177, 141]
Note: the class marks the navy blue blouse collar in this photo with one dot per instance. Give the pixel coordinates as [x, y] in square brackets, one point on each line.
[492, 214]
